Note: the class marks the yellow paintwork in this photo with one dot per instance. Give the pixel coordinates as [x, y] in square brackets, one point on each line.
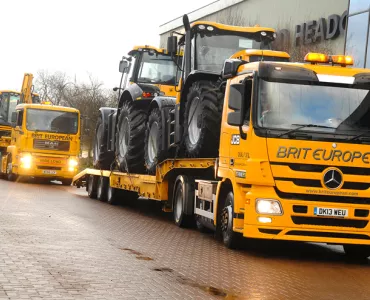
[233, 28]
[154, 187]
[254, 156]
[247, 53]
[22, 142]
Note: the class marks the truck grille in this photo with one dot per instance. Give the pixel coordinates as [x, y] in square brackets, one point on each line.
[317, 183]
[329, 222]
[5, 133]
[51, 145]
[322, 198]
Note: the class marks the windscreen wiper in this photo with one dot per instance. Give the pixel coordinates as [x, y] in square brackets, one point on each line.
[300, 126]
[359, 135]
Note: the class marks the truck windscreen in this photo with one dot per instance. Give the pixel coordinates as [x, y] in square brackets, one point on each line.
[286, 106]
[157, 69]
[211, 51]
[51, 121]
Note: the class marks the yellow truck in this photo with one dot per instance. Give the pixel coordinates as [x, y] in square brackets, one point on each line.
[45, 143]
[292, 138]
[8, 101]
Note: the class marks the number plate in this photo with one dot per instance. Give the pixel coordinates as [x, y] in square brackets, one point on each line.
[331, 212]
[49, 172]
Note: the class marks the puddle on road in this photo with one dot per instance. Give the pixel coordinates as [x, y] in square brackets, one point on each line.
[144, 258]
[131, 251]
[208, 289]
[163, 270]
[137, 253]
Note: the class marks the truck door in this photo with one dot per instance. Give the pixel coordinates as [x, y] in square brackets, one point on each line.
[238, 150]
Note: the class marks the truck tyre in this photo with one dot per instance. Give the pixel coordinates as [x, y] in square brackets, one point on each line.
[101, 159]
[154, 153]
[92, 186]
[130, 139]
[9, 174]
[357, 252]
[112, 195]
[102, 188]
[202, 119]
[66, 182]
[230, 238]
[183, 198]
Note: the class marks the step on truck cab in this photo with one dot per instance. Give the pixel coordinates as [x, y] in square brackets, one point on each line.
[45, 143]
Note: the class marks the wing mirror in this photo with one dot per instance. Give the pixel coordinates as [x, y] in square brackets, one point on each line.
[172, 44]
[236, 103]
[124, 66]
[230, 68]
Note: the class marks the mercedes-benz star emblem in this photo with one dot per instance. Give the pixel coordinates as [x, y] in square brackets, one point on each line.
[332, 179]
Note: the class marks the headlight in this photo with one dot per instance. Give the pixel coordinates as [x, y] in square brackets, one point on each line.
[268, 206]
[26, 160]
[72, 162]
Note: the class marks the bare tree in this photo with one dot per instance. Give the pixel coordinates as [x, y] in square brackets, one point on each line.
[52, 87]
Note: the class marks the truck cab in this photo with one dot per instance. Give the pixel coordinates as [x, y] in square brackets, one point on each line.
[295, 152]
[45, 143]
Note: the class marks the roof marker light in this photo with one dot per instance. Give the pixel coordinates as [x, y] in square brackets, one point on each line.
[316, 58]
[344, 60]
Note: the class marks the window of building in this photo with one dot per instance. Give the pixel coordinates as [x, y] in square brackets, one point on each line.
[357, 39]
[358, 6]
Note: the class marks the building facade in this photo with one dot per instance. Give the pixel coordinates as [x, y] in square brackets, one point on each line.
[330, 26]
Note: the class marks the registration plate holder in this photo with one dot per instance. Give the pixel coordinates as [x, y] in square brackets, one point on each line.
[49, 172]
[330, 212]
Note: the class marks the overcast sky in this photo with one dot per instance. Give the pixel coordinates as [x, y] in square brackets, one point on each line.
[78, 36]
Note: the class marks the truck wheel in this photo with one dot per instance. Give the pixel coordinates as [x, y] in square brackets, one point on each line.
[130, 139]
[66, 182]
[92, 186]
[9, 171]
[112, 195]
[101, 159]
[357, 252]
[102, 188]
[154, 153]
[230, 238]
[183, 199]
[202, 119]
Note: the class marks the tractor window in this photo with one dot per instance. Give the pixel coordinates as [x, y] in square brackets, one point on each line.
[13, 102]
[157, 69]
[212, 50]
[4, 100]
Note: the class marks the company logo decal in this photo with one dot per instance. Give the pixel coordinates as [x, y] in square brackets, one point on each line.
[332, 179]
[323, 154]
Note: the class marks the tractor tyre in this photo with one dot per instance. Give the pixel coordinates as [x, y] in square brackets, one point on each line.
[202, 119]
[101, 159]
[154, 153]
[130, 139]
